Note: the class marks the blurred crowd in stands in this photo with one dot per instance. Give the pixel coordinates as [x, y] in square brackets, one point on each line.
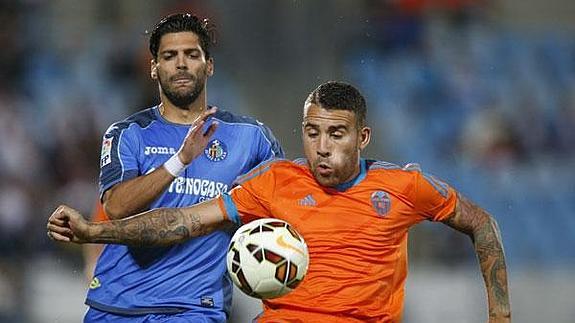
[488, 108]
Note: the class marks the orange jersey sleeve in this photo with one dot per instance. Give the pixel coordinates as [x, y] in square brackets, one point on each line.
[253, 196]
[432, 198]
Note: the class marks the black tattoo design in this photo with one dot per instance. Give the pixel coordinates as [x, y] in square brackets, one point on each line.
[160, 227]
[486, 237]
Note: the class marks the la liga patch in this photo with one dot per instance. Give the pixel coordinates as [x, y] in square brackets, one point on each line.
[105, 156]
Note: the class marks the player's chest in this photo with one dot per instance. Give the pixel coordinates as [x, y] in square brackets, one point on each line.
[224, 153]
[372, 210]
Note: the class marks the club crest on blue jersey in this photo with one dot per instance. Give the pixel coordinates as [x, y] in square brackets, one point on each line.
[216, 150]
[380, 202]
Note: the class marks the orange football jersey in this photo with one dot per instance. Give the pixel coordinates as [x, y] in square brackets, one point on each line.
[356, 235]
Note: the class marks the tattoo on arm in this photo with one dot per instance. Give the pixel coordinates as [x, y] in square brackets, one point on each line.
[484, 232]
[159, 227]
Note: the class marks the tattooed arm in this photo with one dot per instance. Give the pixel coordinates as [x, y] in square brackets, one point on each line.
[158, 227]
[484, 232]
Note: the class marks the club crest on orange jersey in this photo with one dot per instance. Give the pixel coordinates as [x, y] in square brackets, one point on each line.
[381, 202]
[216, 150]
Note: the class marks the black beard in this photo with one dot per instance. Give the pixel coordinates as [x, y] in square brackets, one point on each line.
[183, 100]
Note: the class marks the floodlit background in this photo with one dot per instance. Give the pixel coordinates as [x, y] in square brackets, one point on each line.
[481, 93]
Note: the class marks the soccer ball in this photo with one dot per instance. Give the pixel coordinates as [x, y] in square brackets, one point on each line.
[267, 258]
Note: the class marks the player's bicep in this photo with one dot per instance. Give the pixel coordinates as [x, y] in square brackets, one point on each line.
[467, 216]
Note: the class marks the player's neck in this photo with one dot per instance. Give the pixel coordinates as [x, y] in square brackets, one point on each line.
[183, 115]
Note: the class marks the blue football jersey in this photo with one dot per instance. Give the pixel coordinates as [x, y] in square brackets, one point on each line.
[131, 280]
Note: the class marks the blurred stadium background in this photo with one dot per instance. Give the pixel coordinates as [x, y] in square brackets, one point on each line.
[480, 93]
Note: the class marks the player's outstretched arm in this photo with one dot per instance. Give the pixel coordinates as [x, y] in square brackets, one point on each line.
[137, 194]
[484, 232]
[158, 227]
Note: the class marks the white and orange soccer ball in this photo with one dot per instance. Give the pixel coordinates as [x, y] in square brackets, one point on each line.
[267, 258]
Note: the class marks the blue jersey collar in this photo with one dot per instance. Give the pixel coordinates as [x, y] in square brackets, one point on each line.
[161, 118]
[349, 184]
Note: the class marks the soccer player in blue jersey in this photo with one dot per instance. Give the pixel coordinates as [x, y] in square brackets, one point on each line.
[175, 154]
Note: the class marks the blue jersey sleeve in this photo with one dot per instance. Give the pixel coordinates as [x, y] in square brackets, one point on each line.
[119, 156]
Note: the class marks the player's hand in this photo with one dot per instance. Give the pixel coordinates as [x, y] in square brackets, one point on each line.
[196, 139]
[67, 225]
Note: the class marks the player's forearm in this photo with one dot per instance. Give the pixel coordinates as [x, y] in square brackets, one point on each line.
[489, 249]
[483, 231]
[159, 227]
[136, 195]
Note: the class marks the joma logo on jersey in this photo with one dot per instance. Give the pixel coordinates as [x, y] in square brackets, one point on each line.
[216, 150]
[159, 151]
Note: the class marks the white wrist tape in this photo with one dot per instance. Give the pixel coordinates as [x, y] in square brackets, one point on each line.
[174, 165]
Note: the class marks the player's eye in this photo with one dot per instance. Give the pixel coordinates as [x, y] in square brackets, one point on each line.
[193, 53]
[337, 135]
[312, 134]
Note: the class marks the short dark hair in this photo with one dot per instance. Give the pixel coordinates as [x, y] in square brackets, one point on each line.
[334, 95]
[181, 22]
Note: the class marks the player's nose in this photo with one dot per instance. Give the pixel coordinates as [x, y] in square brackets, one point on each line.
[181, 62]
[323, 147]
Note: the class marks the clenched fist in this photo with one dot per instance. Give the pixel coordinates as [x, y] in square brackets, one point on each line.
[68, 225]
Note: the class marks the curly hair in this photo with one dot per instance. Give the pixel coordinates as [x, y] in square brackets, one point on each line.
[180, 22]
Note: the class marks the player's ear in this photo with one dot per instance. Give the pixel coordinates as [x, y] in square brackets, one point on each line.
[364, 137]
[153, 70]
[210, 67]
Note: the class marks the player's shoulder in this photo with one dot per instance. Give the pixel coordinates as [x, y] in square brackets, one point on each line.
[276, 167]
[244, 121]
[252, 127]
[292, 168]
[296, 165]
[382, 165]
[276, 164]
[140, 119]
[408, 179]
[237, 119]
[392, 172]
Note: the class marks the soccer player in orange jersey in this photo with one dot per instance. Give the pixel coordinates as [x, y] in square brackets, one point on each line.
[354, 214]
